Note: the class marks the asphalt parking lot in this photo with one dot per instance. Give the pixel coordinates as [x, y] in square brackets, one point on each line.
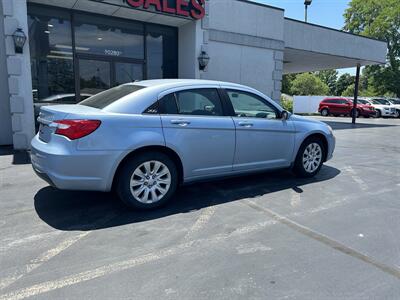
[265, 236]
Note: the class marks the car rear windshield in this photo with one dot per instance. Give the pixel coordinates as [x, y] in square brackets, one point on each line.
[108, 97]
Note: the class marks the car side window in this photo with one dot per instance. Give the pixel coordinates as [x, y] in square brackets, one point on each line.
[248, 105]
[168, 105]
[199, 102]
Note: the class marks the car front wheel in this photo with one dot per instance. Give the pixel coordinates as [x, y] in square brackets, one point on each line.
[310, 158]
[147, 181]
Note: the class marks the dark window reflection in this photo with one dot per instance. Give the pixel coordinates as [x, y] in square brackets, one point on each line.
[50, 45]
[126, 72]
[94, 76]
[109, 37]
[162, 52]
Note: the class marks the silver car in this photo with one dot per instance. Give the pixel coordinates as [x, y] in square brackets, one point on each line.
[143, 139]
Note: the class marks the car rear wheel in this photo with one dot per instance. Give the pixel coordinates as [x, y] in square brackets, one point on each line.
[147, 181]
[310, 158]
[325, 112]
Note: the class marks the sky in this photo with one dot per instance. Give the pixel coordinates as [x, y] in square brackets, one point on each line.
[322, 12]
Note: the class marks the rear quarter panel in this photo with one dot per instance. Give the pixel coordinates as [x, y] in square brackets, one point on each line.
[123, 134]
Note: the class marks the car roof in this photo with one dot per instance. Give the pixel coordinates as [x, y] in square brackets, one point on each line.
[336, 98]
[172, 83]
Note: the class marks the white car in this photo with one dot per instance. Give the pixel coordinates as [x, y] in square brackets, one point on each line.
[382, 107]
[396, 103]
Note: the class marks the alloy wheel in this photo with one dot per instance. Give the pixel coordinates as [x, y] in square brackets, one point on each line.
[150, 182]
[312, 157]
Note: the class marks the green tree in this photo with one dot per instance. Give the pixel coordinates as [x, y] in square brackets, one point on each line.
[287, 103]
[344, 81]
[379, 19]
[329, 77]
[287, 81]
[349, 91]
[308, 84]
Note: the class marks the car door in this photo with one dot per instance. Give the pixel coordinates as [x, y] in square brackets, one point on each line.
[344, 106]
[334, 106]
[196, 127]
[263, 139]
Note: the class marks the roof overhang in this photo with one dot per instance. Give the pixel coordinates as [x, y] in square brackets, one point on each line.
[117, 8]
[310, 47]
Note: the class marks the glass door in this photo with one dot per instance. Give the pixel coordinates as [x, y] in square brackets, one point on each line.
[98, 74]
[94, 77]
[127, 72]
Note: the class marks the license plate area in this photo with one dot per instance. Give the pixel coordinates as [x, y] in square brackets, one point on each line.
[45, 133]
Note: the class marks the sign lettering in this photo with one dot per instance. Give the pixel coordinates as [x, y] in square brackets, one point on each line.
[185, 8]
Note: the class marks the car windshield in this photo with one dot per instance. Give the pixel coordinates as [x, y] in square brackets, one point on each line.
[108, 97]
[376, 102]
[395, 101]
[382, 101]
[362, 101]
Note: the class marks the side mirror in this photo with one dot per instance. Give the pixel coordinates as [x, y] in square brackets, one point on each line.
[284, 115]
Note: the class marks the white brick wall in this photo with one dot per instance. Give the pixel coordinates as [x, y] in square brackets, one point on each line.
[19, 75]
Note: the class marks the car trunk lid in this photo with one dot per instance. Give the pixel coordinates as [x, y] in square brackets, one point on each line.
[49, 114]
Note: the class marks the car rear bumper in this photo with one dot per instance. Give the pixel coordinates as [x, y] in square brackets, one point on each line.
[68, 169]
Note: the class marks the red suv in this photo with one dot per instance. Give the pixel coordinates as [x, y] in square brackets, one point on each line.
[343, 106]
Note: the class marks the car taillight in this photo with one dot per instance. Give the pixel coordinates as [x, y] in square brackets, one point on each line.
[76, 129]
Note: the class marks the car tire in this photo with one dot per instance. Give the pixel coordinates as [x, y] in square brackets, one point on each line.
[309, 151]
[325, 112]
[397, 113]
[378, 113]
[147, 181]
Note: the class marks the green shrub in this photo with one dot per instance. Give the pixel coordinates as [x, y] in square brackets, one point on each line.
[287, 103]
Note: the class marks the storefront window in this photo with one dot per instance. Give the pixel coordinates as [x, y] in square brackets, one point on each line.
[75, 55]
[162, 52]
[95, 35]
[50, 44]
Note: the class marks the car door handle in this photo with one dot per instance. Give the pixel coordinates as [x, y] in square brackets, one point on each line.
[246, 124]
[180, 122]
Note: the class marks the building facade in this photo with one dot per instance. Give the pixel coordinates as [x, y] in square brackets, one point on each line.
[77, 48]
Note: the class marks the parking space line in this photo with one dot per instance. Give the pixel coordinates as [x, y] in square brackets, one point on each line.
[51, 285]
[202, 220]
[49, 254]
[29, 239]
[356, 178]
[37, 262]
[295, 199]
[326, 240]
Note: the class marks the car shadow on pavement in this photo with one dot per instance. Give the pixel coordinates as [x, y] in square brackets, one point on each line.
[67, 210]
[348, 125]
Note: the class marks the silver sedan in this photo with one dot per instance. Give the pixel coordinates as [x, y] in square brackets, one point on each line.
[143, 139]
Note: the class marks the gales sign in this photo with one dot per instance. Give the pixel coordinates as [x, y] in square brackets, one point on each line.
[184, 8]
